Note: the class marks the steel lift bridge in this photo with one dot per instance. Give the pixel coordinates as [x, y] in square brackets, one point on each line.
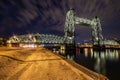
[69, 30]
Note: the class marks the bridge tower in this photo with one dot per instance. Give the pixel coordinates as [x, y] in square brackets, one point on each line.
[97, 32]
[69, 29]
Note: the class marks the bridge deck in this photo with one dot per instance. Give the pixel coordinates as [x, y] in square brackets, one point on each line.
[39, 64]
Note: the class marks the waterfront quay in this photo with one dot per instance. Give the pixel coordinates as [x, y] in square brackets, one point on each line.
[41, 64]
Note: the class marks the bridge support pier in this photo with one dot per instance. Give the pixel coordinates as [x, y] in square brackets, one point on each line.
[98, 47]
[68, 50]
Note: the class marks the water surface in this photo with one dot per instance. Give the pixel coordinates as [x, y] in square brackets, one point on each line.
[106, 62]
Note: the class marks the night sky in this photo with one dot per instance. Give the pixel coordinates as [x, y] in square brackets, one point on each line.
[48, 17]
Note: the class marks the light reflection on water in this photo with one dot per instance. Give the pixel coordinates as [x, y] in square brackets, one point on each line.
[100, 61]
[107, 54]
[106, 62]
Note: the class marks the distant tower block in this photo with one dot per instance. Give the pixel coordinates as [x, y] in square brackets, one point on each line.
[69, 29]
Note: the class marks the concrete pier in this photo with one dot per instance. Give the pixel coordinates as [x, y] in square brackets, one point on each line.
[41, 64]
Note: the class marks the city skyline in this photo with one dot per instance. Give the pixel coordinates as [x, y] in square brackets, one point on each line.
[48, 17]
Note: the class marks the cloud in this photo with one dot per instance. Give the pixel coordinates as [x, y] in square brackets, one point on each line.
[48, 16]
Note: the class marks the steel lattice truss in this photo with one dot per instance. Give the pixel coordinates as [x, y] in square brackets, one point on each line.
[37, 38]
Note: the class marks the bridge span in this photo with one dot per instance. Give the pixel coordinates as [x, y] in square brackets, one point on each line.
[69, 33]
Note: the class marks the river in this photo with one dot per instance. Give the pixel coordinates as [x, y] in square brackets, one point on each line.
[106, 62]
